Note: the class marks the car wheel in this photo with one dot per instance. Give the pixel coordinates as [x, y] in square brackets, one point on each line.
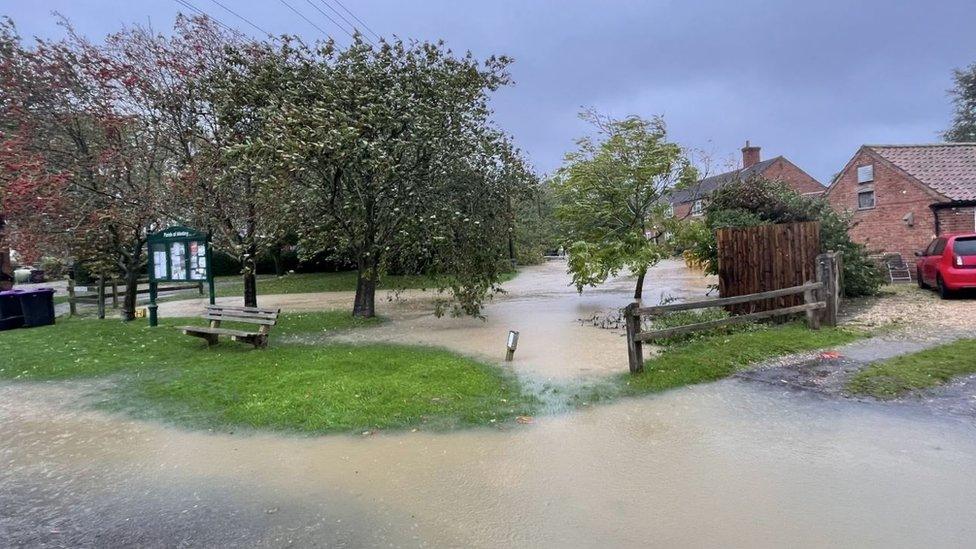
[918, 277]
[944, 292]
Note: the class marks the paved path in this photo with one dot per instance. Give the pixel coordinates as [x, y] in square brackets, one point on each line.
[829, 375]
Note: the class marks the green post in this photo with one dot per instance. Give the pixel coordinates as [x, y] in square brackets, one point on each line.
[210, 277]
[153, 314]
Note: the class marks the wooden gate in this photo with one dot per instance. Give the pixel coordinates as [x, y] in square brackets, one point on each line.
[753, 260]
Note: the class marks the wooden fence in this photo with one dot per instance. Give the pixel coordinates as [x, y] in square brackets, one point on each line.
[819, 301]
[753, 260]
[104, 290]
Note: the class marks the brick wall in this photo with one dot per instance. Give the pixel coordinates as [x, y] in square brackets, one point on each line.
[957, 220]
[882, 228]
[788, 172]
[683, 211]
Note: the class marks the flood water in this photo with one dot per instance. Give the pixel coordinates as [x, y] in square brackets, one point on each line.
[546, 310]
[729, 464]
[726, 464]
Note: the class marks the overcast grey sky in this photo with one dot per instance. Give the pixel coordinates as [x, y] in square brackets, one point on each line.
[808, 80]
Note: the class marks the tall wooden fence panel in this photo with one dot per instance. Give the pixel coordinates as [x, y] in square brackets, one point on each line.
[760, 259]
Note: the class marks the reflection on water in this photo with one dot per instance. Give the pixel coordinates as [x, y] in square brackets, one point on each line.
[727, 464]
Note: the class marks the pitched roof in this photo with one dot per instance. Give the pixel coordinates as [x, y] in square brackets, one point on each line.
[947, 168]
[710, 184]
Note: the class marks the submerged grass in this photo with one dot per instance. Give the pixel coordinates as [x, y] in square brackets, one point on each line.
[295, 387]
[929, 368]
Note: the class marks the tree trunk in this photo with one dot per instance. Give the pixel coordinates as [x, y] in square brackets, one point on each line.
[278, 262]
[131, 293]
[639, 290]
[133, 269]
[249, 272]
[365, 305]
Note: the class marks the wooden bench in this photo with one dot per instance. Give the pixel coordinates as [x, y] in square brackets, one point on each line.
[265, 318]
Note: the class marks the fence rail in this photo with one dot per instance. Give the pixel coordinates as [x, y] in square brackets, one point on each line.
[819, 303]
[104, 290]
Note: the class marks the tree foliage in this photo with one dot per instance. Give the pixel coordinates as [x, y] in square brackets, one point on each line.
[963, 95]
[369, 153]
[609, 195]
[82, 168]
[759, 201]
[390, 153]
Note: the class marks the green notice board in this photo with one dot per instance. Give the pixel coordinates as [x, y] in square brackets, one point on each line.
[178, 254]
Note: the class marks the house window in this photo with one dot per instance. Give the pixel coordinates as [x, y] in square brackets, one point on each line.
[865, 200]
[865, 174]
[697, 208]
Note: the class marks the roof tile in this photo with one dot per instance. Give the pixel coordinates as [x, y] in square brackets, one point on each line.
[947, 168]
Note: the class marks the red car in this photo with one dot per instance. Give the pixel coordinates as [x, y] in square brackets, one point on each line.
[948, 264]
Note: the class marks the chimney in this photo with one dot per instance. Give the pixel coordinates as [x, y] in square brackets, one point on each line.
[750, 155]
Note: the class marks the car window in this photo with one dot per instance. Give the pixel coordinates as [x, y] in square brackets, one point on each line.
[930, 247]
[939, 247]
[964, 246]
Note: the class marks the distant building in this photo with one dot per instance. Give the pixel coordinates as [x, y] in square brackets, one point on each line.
[691, 202]
[902, 196]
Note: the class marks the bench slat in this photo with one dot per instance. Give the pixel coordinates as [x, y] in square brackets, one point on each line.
[239, 314]
[244, 309]
[247, 319]
[218, 331]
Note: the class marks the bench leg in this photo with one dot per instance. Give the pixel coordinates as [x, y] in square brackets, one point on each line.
[211, 339]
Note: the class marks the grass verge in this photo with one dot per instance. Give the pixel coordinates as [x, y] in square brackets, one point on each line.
[929, 368]
[714, 357]
[308, 388]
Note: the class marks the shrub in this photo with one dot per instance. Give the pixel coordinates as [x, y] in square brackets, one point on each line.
[759, 201]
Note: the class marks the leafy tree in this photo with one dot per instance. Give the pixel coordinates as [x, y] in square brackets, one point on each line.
[391, 154]
[82, 169]
[964, 100]
[196, 86]
[610, 194]
[758, 201]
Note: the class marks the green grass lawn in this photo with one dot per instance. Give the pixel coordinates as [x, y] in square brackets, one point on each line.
[717, 356]
[297, 283]
[929, 368]
[326, 387]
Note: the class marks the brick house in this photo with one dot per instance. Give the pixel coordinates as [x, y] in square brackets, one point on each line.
[902, 196]
[690, 202]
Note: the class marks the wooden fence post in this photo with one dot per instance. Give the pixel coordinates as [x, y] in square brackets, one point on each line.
[72, 304]
[101, 298]
[813, 316]
[828, 273]
[115, 294]
[635, 349]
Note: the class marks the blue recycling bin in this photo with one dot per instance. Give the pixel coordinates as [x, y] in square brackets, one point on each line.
[38, 307]
[11, 313]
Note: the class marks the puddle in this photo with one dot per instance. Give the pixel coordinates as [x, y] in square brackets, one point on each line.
[727, 464]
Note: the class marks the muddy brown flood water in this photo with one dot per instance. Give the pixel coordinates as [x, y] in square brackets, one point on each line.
[721, 465]
[729, 464]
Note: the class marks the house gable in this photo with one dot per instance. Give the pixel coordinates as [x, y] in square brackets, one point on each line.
[897, 218]
[781, 169]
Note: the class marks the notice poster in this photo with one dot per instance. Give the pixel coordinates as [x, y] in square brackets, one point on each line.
[177, 260]
[198, 261]
[159, 262]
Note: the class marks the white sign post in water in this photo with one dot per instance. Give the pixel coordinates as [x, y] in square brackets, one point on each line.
[512, 344]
